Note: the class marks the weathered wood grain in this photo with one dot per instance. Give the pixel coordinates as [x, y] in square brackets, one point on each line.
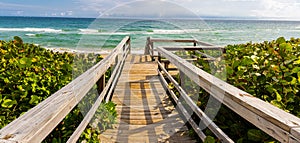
[206, 120]
[193, 48]
[38, 122]
[174, 40]
[143, 106]
[265, 116]
[106, 91]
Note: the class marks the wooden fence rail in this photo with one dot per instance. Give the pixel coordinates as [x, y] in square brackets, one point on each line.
[279, 124]
[38, 122]
[149, 48]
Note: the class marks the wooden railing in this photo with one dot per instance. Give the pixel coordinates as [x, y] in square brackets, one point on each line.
[150, 49]
[38, 122]
[279, 124]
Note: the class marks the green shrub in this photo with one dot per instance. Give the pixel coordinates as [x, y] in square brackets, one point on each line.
[29, 74]
[269, 71]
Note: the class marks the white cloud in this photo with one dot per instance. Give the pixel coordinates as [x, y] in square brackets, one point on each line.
[154, 8]
[284, 9]
[13, 6]
[278, 9]
[97, 5]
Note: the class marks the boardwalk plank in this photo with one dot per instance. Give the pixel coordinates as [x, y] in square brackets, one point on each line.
[145, 112]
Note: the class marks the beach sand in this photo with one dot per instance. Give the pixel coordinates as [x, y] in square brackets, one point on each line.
[86, 51]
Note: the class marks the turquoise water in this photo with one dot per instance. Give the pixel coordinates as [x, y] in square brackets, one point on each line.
[93, 33]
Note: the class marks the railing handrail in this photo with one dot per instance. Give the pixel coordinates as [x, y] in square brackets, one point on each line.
[279, 124]
[149, 48]
[39, 121]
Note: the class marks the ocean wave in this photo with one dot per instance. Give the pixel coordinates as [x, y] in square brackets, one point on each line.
[165, 31]
[30, 35]
[47, 30]
[149, 31]
[100, 32]
[297, 27]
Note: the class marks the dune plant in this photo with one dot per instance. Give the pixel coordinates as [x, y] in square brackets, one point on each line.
[269, 70]
[29, 74]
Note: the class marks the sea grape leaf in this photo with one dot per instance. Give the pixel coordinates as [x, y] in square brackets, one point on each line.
[277, 103]
[18, 41]
[255, 135]
[236, 64]
[8, 103]
[209, 139]
[296, 70]
[278, 96]
[286, 46]
[247, 61]
[297, 61]
[34, 60]
[280, 40]
[241, 140]
[24, 62]
[34, 100]
[294, 81]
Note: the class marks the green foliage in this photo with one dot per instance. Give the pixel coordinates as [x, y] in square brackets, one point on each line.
[272, 72]
[268, 70]
[104, 118]
[29, 74]
[209, 139]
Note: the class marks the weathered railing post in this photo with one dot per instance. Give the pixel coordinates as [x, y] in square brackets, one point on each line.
[151, 45]
[147, 47]
[129, 45]
[159, 60]
[195, 43]
[101, 84]
[182, 77]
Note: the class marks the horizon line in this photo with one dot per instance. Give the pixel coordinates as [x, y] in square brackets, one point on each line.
[175, 18]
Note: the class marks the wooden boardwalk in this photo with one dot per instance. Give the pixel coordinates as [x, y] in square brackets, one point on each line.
[145, 112]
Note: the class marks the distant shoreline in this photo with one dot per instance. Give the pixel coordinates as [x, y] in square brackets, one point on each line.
[83, 51]
[208, 18]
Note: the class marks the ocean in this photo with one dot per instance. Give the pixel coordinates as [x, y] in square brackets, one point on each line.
[102, 34]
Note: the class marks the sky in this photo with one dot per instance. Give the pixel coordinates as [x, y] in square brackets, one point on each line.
[245, 9]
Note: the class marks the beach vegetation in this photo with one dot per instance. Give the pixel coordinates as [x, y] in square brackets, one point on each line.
[268, 70]
[29, 74]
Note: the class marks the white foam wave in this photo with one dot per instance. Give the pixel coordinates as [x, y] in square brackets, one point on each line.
[89, 31]
[30, 35]
[99, 32]
[164, 31]
[47, 30]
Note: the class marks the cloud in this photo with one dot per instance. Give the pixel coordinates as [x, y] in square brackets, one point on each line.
[97, 5]
[278, 9]
[12, 6]
[149, 9]
[269, 9]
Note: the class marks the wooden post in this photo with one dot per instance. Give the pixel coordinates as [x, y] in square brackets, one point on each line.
[129, 45]
[101, 84]
[147, 48]
[181, 78]
[167, 65]
[159, 60]
[152, 50]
